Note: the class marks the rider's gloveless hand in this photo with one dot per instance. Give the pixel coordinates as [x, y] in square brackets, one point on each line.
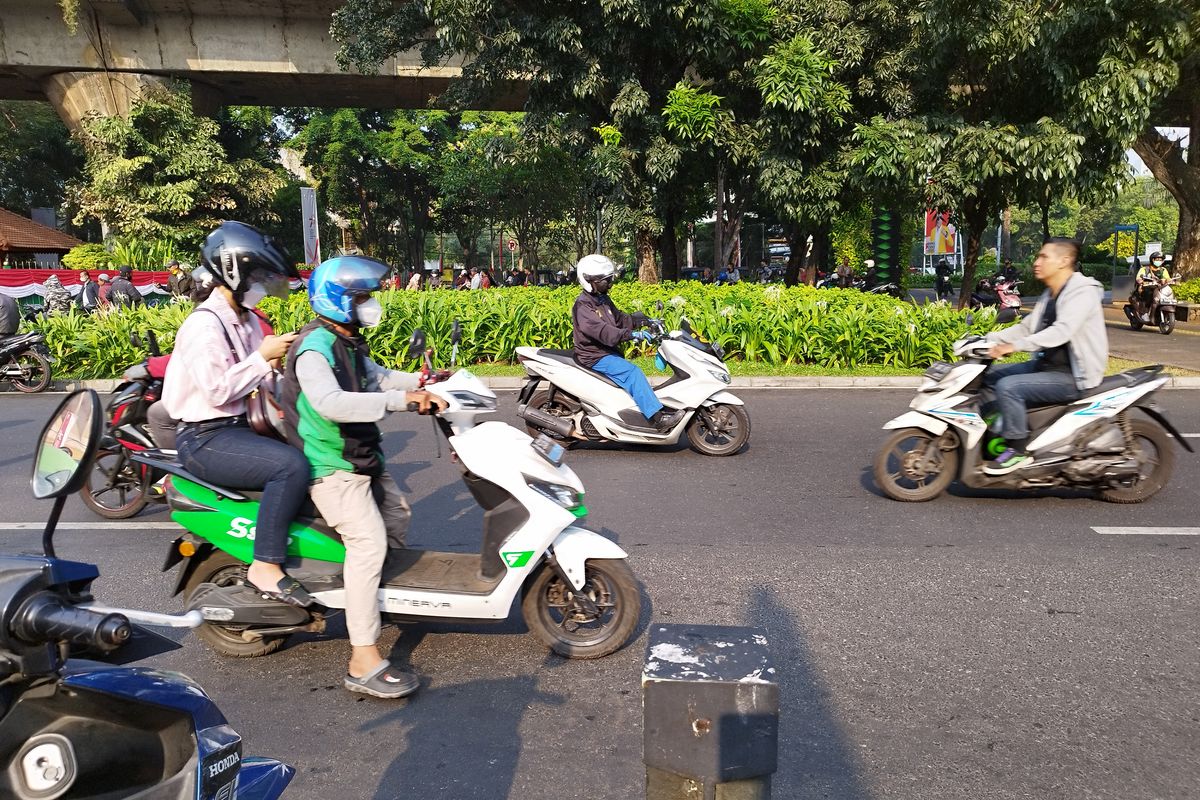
[426, 403]
[274, 347]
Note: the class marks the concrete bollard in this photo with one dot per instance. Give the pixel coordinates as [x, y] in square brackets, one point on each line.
[710, 713]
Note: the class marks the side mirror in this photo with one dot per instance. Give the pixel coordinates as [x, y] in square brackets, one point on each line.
[135, 340]
[659, 305]
[416, 344]
[455, 332]
[970, 319]
[685, 326]
[67, 446]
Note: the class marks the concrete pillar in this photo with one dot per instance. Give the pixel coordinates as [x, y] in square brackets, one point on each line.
[76, 95]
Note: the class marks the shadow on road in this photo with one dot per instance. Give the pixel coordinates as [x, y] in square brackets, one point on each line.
[469, 749]
[816, 760]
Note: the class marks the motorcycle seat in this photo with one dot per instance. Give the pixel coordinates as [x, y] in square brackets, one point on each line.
[19, 339]
[568, 357]
[1121, 380]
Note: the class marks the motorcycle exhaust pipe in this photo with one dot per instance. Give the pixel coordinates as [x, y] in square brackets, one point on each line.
[541, 419]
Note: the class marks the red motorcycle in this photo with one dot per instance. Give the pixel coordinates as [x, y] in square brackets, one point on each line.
[118, 487]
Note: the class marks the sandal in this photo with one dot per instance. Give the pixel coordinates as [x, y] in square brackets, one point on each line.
[288, 590]
[384, 681]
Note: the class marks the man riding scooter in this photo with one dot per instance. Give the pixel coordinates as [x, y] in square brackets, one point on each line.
[1146, 282]
[1066, 333]
[599, 331]
[333, 396]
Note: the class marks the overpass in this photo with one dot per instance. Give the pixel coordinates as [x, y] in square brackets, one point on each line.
[232, 52]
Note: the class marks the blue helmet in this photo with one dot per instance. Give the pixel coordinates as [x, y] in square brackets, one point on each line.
[335, 283]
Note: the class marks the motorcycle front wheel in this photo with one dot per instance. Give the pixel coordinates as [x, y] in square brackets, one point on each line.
[34, 372]
[1166, 323]
[116, 487]
[912, 467]
[722, 430]
[593, 629]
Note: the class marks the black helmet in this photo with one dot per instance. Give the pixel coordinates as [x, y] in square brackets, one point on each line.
[235, 250]
[1155, 255]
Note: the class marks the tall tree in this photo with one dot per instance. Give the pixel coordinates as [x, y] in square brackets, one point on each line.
[37, 156]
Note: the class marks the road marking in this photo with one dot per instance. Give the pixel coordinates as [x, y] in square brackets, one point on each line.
[1148, 531]
[1184, 435]
[90, 526]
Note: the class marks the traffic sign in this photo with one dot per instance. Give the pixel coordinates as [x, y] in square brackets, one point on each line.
[512, 245]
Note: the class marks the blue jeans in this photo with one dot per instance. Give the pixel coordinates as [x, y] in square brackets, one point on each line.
[631, 379]
[1018, 385]
[238, 458]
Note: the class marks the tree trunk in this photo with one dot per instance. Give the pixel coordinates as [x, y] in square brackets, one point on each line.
[669, 247]
[976, 216]
[1165, 159]
[644, 244]
[719, 223]
[797, 248]
[820, 253]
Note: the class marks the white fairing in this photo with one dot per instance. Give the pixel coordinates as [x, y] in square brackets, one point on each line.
[575, 546]
[706, 383]
[938, 403]
[1090, 409]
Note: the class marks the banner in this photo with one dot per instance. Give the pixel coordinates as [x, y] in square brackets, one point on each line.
[941, 238]
[27, 282]
[312, 233]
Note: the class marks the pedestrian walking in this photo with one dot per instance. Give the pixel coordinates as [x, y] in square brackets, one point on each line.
[123, 293]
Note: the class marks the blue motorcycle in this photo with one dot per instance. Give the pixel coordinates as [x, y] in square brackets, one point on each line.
[80, 729]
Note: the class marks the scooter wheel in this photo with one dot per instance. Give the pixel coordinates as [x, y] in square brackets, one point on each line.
[557, 618]
[1155, 451]
[116, 488]
[912, 468]
[1166, 324]
[722, 430]
[35, 372]
[222, 569]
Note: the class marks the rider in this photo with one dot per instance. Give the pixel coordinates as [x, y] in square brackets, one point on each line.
[1066, 333]
[600, 329]
[333, 395]
[1148, 279]
[10, 316]
[220, 357]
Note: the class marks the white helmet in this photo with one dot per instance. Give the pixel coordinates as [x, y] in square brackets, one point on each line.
[595, 267]
[869, 263]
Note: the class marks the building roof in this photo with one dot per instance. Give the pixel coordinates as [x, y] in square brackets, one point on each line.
[23, 235]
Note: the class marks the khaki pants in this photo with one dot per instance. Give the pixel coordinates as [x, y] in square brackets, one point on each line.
[370, 515]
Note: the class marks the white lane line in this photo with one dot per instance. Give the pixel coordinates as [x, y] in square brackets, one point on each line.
[1190, 435]
[1148, 531]
[90, 526]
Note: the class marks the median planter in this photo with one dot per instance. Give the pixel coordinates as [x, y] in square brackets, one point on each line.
[1187, 312]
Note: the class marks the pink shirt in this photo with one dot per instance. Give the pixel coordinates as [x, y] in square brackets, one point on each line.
[204, 380]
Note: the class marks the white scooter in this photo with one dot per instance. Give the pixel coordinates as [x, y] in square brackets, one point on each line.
[1092, 442]
[570, 402]
[577, 591]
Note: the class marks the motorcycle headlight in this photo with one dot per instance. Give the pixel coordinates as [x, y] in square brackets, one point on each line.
[564, 496]
[473, 401]
[720, 375]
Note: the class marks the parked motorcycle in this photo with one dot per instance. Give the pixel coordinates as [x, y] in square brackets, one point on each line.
[82, 730]
[1094, 442]
[117, 487]
[577, 592]
[25, 362]
[569, 402]
[1000, 292]
[1161, 311]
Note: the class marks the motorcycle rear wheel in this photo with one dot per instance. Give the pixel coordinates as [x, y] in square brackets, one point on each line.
[35, 372]
[222, 569]
[124, 487]
[900, 471]
[557, 408]
[1161, 463]
[552, 615]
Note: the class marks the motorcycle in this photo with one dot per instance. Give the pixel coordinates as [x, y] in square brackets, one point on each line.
[117, 487]
[84, 730]
[999, 291]
[578, 594]
[1161, 311]
[1093, 442]
[25, 362]
[569, 402]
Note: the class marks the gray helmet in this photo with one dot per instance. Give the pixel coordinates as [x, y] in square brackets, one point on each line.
[235, 250]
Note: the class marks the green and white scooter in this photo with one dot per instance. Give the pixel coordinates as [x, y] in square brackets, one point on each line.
[577, 592]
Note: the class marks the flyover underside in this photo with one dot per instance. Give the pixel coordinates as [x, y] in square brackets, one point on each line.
[337, 90]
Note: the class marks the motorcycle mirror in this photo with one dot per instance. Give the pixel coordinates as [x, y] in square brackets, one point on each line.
[67, 445]
[416, 343]
[685, 326]
[970, 319]
[455, 332]
[659, 306]
[135, 340]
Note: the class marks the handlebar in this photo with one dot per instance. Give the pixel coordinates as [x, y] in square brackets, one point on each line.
[46, 618]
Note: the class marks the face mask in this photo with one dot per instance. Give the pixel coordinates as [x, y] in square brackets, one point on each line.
[370, 313]
[1156, 262]
[255, 292]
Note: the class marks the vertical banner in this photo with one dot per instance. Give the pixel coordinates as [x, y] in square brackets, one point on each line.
[312, 234]
[941, 238]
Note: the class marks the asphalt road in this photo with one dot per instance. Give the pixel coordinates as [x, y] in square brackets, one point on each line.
[984, 645]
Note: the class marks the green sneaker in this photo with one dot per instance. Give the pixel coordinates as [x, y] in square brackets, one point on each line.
[1008, 461]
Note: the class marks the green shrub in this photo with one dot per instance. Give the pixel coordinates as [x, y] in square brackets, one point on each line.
[1188, 291]
[763, 324]
[88, 256]
[144, 254]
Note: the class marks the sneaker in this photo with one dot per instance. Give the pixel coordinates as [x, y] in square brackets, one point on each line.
[667, 419]
[1008, 461]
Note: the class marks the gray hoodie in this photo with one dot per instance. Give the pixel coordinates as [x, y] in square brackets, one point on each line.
[1079, 323]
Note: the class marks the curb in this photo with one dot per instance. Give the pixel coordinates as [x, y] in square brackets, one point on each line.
[746, 382]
